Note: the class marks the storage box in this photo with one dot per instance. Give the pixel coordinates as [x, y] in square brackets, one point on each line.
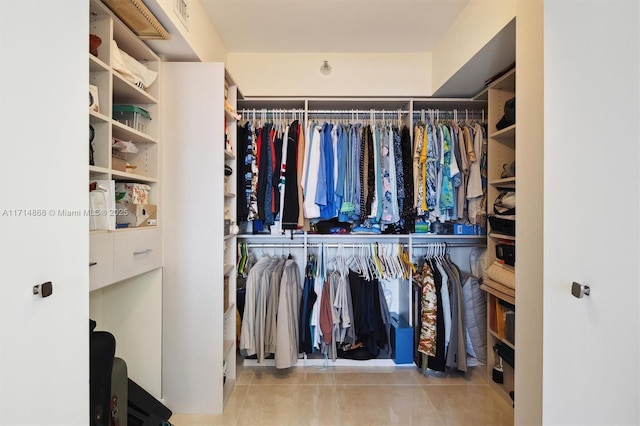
[422, 227]
[132, 116]
[133, 193]
[119, 164]
[503, 224]
[137, 215]
[401, 340]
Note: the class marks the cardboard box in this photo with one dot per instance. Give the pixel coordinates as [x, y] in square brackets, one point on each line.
[118, 164]
[137, 215]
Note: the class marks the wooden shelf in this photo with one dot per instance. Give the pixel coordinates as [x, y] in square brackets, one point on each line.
[228, 268]
[97, 65]
[127, 133]
[502, 236]
[96, 117]
[500, 291]
[505, 341]
[508, 133]
[118, 175]
[127, 93]
[227, 346]
[507, 183]
[507, 81]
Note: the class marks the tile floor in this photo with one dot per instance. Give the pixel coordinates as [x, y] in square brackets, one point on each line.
[357, 396]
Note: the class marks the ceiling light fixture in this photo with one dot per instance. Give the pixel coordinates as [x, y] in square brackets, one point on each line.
[325, 69]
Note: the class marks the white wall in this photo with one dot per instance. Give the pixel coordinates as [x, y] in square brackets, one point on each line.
[354, 74]
[529, 158]
[478, 23]
[44, 343]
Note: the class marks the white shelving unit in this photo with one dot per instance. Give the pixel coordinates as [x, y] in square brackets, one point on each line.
[199, 327]
[501, 150]
[125, 275]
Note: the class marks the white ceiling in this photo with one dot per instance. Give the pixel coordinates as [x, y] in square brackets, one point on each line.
[332, 25]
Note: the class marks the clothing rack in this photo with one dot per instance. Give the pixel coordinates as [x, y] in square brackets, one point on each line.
[358, 111]
[353, 245]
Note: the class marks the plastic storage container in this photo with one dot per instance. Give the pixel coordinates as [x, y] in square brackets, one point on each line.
[132, 116]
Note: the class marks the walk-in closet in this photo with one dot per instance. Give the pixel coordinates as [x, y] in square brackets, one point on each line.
[305, 212]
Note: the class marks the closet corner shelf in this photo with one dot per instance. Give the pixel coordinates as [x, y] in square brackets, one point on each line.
[127, 133]
[507, 81]
[96, 117]
[505, 134]
[498, 290]
[509, 182]
[228, 345]
[97, 169]
[230, 309]
[228, 268]
[502, 236]
[118, 175]
[126, 92]
[229, 155]
[229, 195]
[228, 237]
[96, 64]
[483, 95]
[503, 340]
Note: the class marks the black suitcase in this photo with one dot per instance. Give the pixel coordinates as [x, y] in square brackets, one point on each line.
[102, 349]
[144, 409]
[119, 393]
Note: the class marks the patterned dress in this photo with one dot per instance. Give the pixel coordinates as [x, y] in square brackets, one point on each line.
[429, 314]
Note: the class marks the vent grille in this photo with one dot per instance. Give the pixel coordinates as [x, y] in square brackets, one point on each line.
[181, 8]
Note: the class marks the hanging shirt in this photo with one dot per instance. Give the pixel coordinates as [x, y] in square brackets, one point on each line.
[474, 187]
[431, 148]
[312, 171]
[418, 187]
[446, 190]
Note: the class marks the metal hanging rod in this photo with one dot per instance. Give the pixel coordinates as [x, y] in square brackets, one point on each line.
[448, 244]
[316, 245]
[268, 111]
[273, 245]
[357, 111]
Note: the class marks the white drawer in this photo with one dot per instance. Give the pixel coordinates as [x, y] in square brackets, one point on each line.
[136, 251]
[100, 260]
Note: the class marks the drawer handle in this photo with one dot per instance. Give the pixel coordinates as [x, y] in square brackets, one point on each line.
[137, 253]
[92, 264]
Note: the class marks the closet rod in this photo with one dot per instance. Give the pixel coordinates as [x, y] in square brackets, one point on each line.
[273, 245]
[429, 245]
[357, 111]
[314, 245]
[271, 111]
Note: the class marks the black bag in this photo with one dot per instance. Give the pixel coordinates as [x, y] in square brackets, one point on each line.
[506, 253]
[503, 224]
[102, 349]
[509, 117]
[144, 409]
